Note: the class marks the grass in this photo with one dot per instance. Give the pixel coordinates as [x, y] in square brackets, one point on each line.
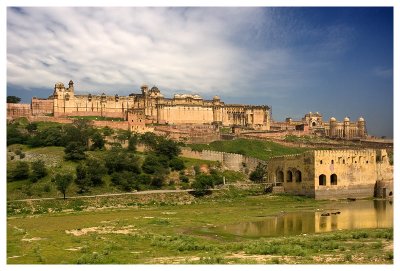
[175, 233]
[254, 148]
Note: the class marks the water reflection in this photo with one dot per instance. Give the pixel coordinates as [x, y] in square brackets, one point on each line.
[337, 216]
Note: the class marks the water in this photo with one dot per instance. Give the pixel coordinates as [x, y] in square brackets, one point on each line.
[342, 216]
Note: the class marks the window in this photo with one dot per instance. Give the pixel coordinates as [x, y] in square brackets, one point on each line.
[332, 162]
[298, 176]
[333, 179]
[279, 177]
[320, 162]
[322, 179]
[289, 176]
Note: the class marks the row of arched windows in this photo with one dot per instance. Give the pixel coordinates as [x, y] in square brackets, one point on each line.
[322, 179]
[290, 176]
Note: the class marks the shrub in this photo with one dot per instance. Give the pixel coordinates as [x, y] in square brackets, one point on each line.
[38, 169]
[20, 171]
[176, 164]
[184, 178]
[74, 151]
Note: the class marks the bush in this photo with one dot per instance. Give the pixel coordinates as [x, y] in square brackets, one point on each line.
[202, 184]
[38, 169]
[20, 171]
[184, 179]
[47, 188]
[74, 151]
[176, 164]
[259, 173]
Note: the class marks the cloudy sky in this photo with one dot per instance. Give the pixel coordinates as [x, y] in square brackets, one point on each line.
[337, 61]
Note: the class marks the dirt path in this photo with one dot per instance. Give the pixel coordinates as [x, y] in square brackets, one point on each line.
[115, 194]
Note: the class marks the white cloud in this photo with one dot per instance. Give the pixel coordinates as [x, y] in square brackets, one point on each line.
[203, 50]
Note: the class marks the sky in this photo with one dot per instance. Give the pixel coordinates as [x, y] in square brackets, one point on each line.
[337, 61]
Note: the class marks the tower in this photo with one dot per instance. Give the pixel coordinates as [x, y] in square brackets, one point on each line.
[346, 128]
[361, 127]
[332, 127]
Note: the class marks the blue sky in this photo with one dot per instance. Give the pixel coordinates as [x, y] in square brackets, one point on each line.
[337, 61]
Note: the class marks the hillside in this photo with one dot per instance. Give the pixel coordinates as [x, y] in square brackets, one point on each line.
[254, 148]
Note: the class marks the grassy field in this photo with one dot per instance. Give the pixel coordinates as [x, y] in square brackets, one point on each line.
[173, 229]
[254, 148]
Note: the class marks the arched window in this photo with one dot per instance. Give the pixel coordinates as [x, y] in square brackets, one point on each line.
[279, 175]
[333, 179]
[332, 162]
[320, 162]
[298, 176]
[322, 179]
[289, 176]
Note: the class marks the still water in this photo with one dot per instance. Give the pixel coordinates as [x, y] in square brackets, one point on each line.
[337, 216]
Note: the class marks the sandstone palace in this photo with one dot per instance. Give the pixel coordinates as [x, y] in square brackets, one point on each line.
[151, 107]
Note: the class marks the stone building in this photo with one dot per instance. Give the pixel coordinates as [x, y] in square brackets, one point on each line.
[312, 123]
[328, 174]
[150, 106]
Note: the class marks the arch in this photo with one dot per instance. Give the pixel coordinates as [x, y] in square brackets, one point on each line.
[322, 179]
[390, 193]
[314, 124]
[297, 176]
[289, 176]
[333, 179]
[279, 176]
[320, 162]
[332, 162]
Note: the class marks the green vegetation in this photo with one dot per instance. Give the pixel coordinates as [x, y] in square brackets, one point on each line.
[178, 228]
[13, 99]
[253, 148]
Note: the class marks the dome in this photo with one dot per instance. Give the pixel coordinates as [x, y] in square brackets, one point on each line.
[154, 89]
[216, 97]
[332, 119]
[361, 119]
[346, 119]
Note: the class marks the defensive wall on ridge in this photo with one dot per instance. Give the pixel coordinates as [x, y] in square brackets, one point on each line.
[231, 161]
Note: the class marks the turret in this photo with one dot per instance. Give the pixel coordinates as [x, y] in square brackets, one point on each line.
[332, 127]
[71, 86]
[361, 127]
[346, 128]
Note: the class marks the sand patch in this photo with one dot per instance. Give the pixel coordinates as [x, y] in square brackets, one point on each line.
[74, 248]
[32, 239]
[102, 230]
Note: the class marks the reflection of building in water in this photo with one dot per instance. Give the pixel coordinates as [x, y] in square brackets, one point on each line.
[353, 215]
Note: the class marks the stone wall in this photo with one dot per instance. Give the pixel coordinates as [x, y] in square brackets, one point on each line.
[18, 110]
[231, 161]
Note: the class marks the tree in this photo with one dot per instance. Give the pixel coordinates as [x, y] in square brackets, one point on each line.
[119, 160]
[149, 139]
[259, 173]
[62, 182]
[95, 171]
[132, 143]
[81, 179]
[32, 127]
[15, 135]
[168, 148]
[13, 99]
[155, 164]
[98, 141]
[38, 170]
[74, 151]
[202, 184]
[20, 171]
[176, 164]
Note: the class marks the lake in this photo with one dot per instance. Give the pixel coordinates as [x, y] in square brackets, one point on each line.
[340, 215]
